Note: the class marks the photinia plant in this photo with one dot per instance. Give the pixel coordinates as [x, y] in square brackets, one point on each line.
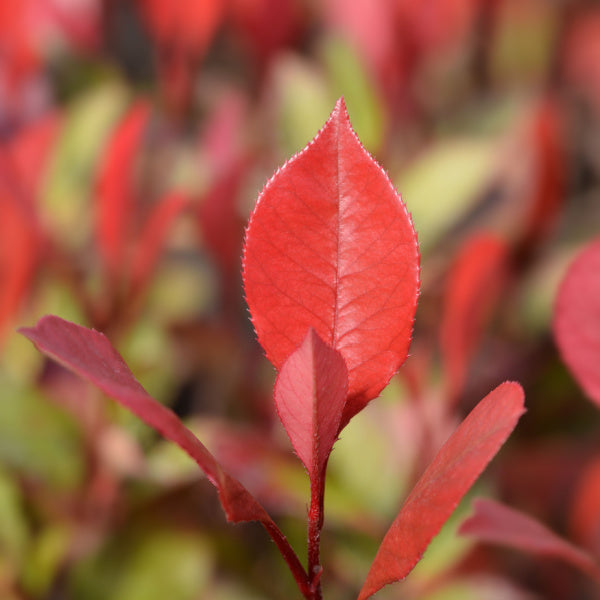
[331, 275]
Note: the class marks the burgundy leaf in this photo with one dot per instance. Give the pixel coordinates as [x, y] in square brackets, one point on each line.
[498, 524]
[449, 476]
[116, 197]
[331, 246]
[474, 284]
[90, 355]
[577, 319]
[310, 393]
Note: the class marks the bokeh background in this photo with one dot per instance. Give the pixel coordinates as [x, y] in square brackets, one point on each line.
[135, 138]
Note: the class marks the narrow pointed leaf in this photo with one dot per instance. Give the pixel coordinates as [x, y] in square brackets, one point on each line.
[445, 481]
[310, 394]
[115, 189]
[331, 246]
[89, 354]
[577, 320]
[475, 282]
[495, 523]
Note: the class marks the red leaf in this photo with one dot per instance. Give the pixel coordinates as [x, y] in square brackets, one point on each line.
[498, 524]
[584, 523]
[152, 239]
[18, 255]
[331, 246]
[116, 197]
[475, 282]
[439, 490]
[189, 24]
[577, 319]
[548, 171]
[89, 354]
[310, 393]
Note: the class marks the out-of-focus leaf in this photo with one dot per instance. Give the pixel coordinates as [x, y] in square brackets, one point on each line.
[165, 565]
[310, 393]
[582, 56]
[577, 319]
[303, 102]
[443, 484]
[584, 522]
[522, 43]
[18, 256]
[496, 523]
[45, 557]
[267, 26]
[90, 355]
[14, 529]
[38, 439]
[463, 168]
[69, 183]
[152, 238]
[474, 283]
[349, 78]
[116, 197]
[190, 24]
[331, 246]
[478, 587]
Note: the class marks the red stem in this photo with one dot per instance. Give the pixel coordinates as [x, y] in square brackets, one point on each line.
[315, 524]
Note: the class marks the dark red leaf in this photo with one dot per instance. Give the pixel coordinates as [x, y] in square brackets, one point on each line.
[115, 192]
[577, 319]
[437, 493]
[330, 245]
[474, 284]
[495, 523]
[90, 355]
[310, 393]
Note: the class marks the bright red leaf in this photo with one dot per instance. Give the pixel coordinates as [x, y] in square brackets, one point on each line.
[439, 490]
[89, 354]
[310, 393]
[498, 524]
[474, 284]
[577, 319]
[331, 246]
[115, 192]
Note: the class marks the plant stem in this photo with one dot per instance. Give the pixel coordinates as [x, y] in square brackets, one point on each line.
[315, 524]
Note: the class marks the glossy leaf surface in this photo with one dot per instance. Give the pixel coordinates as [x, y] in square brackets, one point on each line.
[310, 394]
[445, 481]
[331, 246]
[577, 320]
[495, 523]
[89, 354]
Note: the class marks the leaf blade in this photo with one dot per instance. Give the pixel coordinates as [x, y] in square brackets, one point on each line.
[576, 320]
[310, 393]
[330, 245]
[449, 476]
[495, 523]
